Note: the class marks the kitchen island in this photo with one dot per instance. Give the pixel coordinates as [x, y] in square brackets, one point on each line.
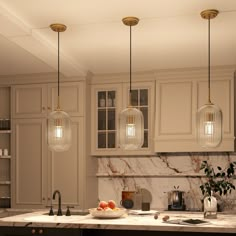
[38, 223]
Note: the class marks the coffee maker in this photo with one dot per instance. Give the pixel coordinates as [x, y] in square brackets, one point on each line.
[176, 200]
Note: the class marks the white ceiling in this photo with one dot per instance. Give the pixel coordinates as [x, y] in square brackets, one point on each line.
[170, 34]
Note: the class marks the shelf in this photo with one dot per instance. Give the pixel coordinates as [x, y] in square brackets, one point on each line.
[5, 157]
[5, 182]
[5, 131]
[5, 198]
[106, 175]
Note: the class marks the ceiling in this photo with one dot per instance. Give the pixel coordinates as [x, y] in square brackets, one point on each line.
[170, 34]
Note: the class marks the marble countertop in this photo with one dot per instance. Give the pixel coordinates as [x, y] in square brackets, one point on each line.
[225, 223]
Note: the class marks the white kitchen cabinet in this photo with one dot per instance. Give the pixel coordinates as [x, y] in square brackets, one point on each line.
[29, 163]
[37, 100]
[36, 170]
[177, 102]
[107, 102]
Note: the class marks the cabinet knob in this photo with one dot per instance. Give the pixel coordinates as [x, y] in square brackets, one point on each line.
[49, 198]
[49, 108]
[43, 198]
[41, 231]
[33, 231]
[43, 108]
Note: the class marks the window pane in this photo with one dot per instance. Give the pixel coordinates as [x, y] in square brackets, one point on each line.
[111, 119]
[111, 99]
[134, 97]
[101, 99]
[102, 119]
[143, 97]
[144, 110]
[111, 140]
[101, 140]
[145, 143]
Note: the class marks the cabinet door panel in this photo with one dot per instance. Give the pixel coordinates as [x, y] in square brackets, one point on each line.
[29, 163]
[66, 167]
[29, 101]
[222, 99]
[71, 97]
[175, 110]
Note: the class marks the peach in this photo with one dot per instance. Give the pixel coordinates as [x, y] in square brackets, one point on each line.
[112, 204]
[99, 209]
[103, 204]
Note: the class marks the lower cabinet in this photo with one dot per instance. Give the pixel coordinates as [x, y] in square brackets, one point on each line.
[25, 231]
[37, 171]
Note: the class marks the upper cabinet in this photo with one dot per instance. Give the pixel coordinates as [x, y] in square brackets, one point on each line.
[107, 103]
[177, 100]
[38, 100]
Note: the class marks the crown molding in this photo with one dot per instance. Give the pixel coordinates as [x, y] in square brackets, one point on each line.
[33, 41]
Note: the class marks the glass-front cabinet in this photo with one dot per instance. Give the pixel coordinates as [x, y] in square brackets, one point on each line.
[107, 103]
[106, 119]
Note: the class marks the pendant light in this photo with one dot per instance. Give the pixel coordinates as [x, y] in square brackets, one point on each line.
[59, 123]
[131, 127]
[209, 116]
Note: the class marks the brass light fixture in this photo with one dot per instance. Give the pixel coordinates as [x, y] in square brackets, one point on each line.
[209, 116]
[131, 129]
[59, 123]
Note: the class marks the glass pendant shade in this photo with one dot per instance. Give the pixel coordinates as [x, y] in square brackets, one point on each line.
[209, 125]
[59, 131]
[131, 130]
[59, 122]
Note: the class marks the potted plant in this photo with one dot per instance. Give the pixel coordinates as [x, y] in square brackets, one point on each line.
[219, 181]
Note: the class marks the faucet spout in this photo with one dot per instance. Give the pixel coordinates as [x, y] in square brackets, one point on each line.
[57, 192]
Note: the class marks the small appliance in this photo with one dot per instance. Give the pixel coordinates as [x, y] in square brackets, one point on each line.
[176, 200]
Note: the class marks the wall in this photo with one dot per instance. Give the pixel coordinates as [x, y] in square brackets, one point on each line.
[159, 174]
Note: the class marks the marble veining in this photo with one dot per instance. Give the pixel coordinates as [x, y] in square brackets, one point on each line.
[159, 174]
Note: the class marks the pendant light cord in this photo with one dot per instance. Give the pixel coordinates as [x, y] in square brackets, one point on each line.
[58, 73]
[130, 64]
[209, 60]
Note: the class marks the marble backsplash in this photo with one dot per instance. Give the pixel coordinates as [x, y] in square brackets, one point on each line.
[159, 174]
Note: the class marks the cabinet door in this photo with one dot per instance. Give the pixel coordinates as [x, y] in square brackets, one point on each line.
[29, 167]
[174, 109]
[29, 101]
[106, 101]
[71, 97]
[66, 168]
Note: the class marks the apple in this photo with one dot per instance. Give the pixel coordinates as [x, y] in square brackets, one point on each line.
[103, 204]
[112, 204]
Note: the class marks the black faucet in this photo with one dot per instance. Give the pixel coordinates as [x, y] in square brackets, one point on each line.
[59, 212]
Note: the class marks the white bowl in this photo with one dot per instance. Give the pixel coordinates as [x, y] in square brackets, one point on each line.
[107, 213]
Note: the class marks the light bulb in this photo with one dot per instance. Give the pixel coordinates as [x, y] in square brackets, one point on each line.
[130, 130]
[58, 132]
[209, 128]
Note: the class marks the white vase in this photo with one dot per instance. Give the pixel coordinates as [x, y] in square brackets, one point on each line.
[210, 207]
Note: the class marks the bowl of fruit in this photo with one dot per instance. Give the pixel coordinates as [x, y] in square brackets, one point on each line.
[107, 210]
